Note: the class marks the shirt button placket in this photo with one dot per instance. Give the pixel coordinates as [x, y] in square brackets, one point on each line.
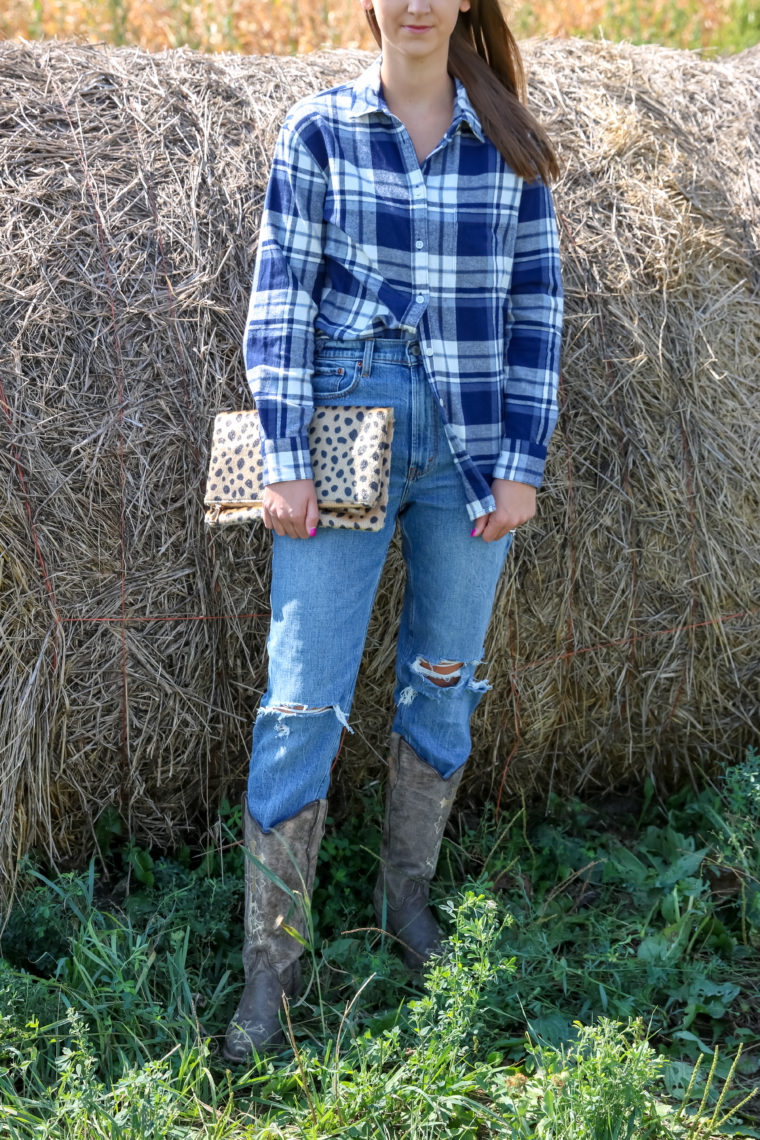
[420, 257]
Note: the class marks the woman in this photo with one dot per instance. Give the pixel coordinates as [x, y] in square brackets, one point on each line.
[407, 258]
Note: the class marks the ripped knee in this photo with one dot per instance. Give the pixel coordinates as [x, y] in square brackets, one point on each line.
[287, 709]
[444, 674]
[291, 710]
[443, 680]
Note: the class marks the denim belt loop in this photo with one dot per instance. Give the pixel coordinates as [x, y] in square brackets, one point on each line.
[369, 348]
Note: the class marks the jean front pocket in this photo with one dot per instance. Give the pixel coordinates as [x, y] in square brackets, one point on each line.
[334, 378]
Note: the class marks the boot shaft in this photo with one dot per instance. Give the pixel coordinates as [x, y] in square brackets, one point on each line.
[280, 865]
[417, 807]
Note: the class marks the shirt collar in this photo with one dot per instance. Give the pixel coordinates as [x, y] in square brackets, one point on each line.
[368, 98]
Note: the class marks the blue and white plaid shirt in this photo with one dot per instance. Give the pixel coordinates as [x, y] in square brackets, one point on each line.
[357, 237]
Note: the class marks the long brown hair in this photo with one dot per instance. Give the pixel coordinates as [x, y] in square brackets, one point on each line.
[484, 55]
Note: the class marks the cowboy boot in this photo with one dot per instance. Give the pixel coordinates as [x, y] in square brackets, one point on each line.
[418, 803]
[270, 954]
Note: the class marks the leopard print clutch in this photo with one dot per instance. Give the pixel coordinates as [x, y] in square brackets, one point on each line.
[350, 455]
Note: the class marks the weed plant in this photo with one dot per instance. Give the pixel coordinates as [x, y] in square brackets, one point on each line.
[598, 982]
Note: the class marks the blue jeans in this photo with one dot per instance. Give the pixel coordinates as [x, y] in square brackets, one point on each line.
[323, 590]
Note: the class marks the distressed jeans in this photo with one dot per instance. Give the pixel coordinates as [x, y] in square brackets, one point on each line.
[323, 590]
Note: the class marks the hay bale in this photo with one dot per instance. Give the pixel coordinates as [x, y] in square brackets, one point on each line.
[749, 57]
[624, 641]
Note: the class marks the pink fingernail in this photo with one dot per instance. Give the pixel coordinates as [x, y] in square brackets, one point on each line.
[312, 532]
[472, 532]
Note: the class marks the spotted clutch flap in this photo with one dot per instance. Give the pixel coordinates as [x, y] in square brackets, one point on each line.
[350, 455]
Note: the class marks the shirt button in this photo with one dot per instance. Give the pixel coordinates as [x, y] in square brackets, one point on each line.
[419, 244]
[428, 350]
[420, 298]
[419, 191]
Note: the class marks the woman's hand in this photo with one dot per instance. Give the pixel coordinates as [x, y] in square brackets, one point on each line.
[515, 504]
[291, 508]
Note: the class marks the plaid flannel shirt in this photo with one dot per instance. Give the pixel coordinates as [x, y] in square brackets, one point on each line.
[357, 236]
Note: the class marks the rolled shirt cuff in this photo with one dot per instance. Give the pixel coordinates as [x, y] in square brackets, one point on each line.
[286, 459]
[521, 461]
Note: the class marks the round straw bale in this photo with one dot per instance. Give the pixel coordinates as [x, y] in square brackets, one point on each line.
[750, 57]
[624, 641]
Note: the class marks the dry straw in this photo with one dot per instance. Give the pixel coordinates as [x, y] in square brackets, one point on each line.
[625, 639]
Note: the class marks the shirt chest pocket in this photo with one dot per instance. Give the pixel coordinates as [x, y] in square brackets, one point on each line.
[334, 379]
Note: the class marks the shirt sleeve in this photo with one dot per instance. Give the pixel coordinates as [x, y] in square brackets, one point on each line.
[533, 333]
[278, 345]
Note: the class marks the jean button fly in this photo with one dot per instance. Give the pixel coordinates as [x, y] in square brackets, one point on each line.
[414, 349]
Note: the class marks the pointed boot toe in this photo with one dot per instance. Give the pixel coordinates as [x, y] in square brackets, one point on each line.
[255, 1026]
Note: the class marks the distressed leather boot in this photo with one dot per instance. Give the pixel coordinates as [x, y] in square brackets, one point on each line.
[270, 954]
[417, 806]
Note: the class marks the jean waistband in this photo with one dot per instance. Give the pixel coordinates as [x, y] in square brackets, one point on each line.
[384, 334]
[392, 344]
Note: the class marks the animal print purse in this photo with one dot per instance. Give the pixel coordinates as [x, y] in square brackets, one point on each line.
[350, 456]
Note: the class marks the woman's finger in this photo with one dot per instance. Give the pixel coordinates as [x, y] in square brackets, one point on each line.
[497, 526]
[312, 517]
[292, 507]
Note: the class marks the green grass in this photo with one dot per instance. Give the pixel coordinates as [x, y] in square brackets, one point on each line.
[599, 982]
